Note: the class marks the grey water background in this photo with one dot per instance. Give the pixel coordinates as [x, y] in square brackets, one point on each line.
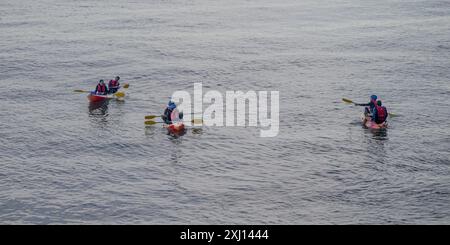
[62, 162]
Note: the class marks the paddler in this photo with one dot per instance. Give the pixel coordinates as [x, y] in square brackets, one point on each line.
[171, 113]
[114, 85]
[101, 88]
[167, 116]
[379, 113]
[369, 106]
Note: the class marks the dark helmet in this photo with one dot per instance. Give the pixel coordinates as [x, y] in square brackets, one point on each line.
[379, 103]
[117, 78]
[101, 81]
[373, 97]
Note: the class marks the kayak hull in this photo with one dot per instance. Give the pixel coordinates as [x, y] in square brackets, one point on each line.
[176, 127]
[94, 98]
[368, 123]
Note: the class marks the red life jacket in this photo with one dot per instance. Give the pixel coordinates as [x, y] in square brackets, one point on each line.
[101, 89]
[113, 83]
[381, 114]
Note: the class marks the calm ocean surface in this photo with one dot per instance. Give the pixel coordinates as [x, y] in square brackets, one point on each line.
[64, 162]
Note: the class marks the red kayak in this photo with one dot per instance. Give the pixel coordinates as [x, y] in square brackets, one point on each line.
[368, 123]
[176, 127]
[97, 98]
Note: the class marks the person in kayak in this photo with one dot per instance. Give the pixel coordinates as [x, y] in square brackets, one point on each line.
[101, 88]
[171, 113]
[379, 113]
[167, 116]
[369, 106]
[114, 85]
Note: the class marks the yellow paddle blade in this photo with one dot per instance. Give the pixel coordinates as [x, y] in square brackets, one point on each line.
[347, 100]
[151, 117]
[392, 114]
[81, 91]
[126, 85]
[150, 122]
[120, 94]
[197, 121]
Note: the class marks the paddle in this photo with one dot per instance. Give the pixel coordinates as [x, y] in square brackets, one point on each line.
[197, 121]
[151, 122]
[81, 91]
[119, 94]
[126, 85]
[151, 116]
[194, 121]
[349, 101]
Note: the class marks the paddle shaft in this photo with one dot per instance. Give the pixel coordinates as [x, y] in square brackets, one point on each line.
[351, 101]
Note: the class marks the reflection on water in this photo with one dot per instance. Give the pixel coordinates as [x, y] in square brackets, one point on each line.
[376, 140]
[150, 130]
[98, 112]
[197, 131]
[176, 134]
[377, 151]
[98, 108]
[175, 153]
[380, 134]
[313, 172]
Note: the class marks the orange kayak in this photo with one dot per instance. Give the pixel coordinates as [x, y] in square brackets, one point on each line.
[368, 123]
